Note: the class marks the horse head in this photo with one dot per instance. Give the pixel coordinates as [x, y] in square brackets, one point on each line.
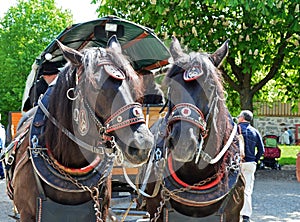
[195, 125]
[102, 89]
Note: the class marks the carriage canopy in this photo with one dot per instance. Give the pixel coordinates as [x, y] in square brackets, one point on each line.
[144, 48]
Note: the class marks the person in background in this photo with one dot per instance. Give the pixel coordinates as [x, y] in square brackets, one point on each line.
[285, 137]
[49, 71]
[290, 136]
[253, 140]
[2, 146]
[153, 93]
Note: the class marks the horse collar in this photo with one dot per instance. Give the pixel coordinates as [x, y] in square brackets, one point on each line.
[53, 173]
[205, 192]
[203, 185]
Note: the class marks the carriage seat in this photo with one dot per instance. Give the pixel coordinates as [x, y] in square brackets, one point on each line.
[153, 93]
[26, 116]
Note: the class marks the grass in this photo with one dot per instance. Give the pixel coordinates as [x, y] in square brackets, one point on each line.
[288, 154]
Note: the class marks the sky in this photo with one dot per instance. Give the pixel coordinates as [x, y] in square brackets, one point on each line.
[82, 10]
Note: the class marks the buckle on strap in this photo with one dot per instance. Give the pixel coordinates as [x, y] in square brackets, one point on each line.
[206, 157]
[10, 160]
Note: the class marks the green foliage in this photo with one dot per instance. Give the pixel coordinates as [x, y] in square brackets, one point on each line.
[264, 38]
[25, 31]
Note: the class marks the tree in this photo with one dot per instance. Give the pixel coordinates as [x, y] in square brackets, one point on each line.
[25, 31]
[264, 38]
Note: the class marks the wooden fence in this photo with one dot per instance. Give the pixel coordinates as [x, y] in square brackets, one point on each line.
[276, 109]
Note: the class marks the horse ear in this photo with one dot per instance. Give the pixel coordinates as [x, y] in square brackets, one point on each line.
[219, 55]
[175, 48]
[70, 54]
[114, 44]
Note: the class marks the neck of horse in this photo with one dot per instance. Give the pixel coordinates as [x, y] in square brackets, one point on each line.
[63, 149]
[70, 155]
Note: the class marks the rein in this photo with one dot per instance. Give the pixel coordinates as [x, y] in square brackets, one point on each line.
[226, 147]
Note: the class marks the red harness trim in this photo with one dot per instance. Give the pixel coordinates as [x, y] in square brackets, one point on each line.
[179, 181]
[122, 110]
[124, 124]
[75, 171]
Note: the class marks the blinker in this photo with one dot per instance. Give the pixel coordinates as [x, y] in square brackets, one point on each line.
[192, 73]
[114, 72]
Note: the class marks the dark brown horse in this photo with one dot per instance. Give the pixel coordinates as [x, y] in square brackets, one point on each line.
[197, 146]
[90, 121]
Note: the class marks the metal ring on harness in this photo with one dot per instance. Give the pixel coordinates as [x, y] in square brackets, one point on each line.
[68, 94]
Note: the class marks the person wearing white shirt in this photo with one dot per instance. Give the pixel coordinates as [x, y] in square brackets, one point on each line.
[285, 137]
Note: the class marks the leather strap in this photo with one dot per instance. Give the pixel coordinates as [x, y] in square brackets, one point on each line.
[98, 150]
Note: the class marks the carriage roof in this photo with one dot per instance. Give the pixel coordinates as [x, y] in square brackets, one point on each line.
[144, 48]
[139, 43]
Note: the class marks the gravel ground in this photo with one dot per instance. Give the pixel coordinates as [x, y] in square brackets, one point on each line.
[276, 197]
[6, 207]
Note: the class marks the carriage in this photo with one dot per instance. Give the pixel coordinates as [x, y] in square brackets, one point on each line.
[146, 52]
[220, 192]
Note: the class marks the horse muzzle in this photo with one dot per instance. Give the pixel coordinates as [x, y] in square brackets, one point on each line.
[183, 144]
[138, 147]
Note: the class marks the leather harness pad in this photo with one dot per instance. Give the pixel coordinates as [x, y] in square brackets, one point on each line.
[48, 210]
[192, 73]
[173, 215]
[114, 72]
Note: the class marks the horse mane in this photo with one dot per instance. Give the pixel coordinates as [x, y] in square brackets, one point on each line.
[60, 106]
[213, 78]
